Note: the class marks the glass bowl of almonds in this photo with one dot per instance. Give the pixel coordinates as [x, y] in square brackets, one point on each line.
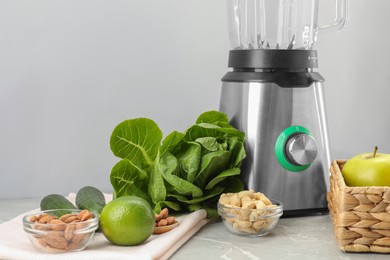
[61, 230]
[249, 213]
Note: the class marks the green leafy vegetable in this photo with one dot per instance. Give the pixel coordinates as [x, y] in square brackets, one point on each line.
[170, 142]
[156, 188]
[193, 207]
[168, 168]
[212, 164]
[189, 160]
[185, 171]
[184, 199]
[128, 179]
[173, 205]
[137, 140]
[90, 198]
[222, 176]
[212, 118]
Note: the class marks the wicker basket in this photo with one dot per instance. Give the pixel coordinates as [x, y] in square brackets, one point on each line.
[361, 215]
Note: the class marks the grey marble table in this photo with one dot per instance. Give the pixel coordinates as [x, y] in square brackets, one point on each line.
[294, 238]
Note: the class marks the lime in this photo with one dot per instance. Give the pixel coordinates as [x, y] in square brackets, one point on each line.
[127, 221]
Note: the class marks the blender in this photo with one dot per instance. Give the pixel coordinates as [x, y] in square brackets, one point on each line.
[274, 95]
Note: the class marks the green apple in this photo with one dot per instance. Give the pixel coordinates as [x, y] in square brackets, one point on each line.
[367, 169]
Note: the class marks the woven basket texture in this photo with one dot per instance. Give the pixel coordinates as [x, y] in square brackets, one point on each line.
[361, 215]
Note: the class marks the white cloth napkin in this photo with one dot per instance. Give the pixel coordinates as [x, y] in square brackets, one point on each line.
[14, 243]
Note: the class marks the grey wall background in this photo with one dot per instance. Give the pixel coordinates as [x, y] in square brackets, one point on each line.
[71, 70]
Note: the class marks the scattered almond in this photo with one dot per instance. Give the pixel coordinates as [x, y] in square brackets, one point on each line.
[162, 220]
[170, 220]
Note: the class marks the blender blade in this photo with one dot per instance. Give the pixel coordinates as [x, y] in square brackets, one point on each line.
[291, 45]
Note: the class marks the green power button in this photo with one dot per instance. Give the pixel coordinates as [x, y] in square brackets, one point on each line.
[281, 144]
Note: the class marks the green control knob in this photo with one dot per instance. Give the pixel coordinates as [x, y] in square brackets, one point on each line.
[296, 148]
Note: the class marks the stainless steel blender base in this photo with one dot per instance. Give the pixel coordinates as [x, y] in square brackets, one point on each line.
[264, 111]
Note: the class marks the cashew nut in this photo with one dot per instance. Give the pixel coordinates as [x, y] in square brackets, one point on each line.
[246, 210]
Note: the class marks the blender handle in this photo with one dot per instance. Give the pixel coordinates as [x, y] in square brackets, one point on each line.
[340, 19]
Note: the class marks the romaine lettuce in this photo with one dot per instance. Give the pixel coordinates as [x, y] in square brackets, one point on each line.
[185, 171]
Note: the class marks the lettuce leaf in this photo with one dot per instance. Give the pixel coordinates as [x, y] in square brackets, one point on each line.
[128, 179]
[137, 140]
[185, 171]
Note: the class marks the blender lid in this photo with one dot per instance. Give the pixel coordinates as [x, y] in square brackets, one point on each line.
[270, 58]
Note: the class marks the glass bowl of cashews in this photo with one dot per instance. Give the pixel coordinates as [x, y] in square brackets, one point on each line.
[249, 213]
[61, 230]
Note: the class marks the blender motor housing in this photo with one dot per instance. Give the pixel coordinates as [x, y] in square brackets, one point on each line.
[276, 98]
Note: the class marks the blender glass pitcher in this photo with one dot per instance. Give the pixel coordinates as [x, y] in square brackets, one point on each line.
[278, 24]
